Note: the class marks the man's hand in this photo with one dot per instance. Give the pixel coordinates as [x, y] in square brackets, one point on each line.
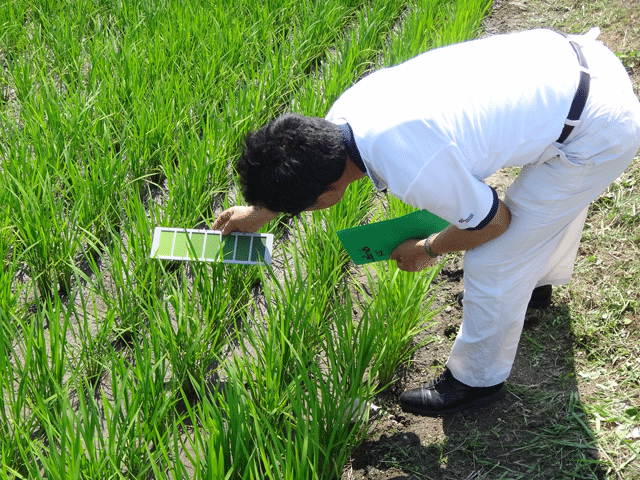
[411, 256]
[242, 219]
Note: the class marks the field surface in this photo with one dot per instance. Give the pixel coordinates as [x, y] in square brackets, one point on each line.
[117, 117]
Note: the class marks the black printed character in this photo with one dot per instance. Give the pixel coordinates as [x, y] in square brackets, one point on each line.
[367, 253]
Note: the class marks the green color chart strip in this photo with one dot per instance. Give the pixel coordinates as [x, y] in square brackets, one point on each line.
[210, 245]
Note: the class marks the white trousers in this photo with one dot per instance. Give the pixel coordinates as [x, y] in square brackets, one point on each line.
[548, 203]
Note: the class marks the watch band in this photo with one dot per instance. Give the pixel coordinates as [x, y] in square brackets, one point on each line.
[427, 246]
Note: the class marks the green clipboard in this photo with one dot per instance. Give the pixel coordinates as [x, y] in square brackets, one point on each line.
[375, 242]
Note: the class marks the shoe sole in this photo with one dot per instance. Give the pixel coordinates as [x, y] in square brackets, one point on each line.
[480, 402]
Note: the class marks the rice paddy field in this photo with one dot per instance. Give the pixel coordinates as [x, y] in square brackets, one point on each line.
[118, 116]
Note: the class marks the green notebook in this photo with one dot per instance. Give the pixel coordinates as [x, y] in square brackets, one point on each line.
[376, 241]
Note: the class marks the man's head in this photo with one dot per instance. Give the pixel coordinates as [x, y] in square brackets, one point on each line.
[289, 163]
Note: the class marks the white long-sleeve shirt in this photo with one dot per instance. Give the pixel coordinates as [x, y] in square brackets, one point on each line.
[433, 128]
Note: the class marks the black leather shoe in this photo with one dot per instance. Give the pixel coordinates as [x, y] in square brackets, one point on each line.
[540, 297]
[445, 395]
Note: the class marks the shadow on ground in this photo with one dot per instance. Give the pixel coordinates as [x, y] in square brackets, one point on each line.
[537, 431]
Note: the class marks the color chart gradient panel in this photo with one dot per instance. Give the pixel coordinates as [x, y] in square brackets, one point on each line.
[211, 246]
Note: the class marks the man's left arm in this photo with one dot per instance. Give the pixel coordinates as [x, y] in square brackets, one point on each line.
[453, 239]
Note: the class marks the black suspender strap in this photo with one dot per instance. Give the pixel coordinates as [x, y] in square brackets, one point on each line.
[580, 98]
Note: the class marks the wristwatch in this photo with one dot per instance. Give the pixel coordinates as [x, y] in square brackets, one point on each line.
[427, 246]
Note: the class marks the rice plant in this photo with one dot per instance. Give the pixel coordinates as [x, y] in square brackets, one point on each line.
[325, 261]
[402, 306]
[194, 321]
[305, 383]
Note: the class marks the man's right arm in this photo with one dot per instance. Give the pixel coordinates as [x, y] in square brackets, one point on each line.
[243, 219]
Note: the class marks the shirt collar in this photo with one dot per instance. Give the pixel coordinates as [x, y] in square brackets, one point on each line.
[352, 148]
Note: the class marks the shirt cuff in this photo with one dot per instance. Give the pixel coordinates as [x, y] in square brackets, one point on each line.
[491, 214]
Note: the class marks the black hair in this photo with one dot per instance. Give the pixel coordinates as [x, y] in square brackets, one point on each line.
[290, 161]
